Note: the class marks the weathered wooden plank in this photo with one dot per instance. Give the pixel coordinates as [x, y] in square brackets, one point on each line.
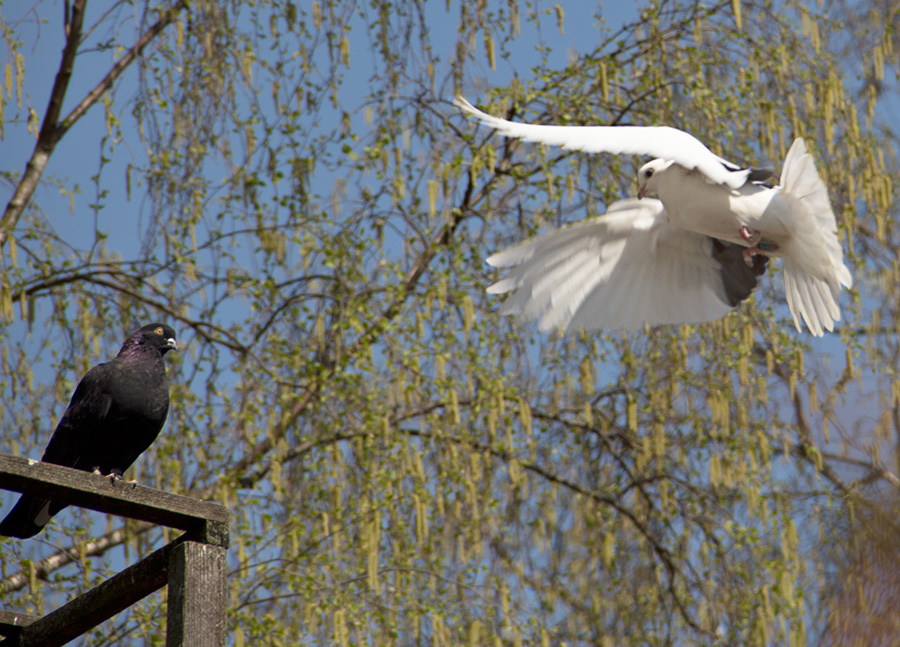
[208, 521]
[100, 603]
[193, 565]
[11, 622]
[197, 596]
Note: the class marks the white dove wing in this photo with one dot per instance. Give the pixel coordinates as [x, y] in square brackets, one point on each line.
[622, 270]
[656, 141]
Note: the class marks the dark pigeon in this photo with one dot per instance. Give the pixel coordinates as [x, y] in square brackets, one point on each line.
[739, 275]
[116, 412]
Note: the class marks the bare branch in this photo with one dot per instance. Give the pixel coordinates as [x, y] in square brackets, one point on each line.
[52, 130]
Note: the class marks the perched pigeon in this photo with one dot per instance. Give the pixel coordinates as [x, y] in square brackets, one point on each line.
[669, 260]
[117, 410]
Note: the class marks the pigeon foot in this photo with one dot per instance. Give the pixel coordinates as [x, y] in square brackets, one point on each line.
[116, 476]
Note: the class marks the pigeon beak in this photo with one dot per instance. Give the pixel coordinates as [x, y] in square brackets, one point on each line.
[642, 191]
[171, 343]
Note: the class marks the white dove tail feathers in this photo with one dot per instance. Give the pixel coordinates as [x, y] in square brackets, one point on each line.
[814, 269]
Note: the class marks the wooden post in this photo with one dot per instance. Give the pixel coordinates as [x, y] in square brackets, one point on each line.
[192, 565]
[197, 590]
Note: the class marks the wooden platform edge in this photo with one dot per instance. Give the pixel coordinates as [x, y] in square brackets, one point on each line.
[207, 520]
[11, 622]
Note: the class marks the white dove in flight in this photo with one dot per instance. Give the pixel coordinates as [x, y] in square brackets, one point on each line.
[676, 259]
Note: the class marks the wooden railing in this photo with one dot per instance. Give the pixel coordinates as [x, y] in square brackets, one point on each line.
[193, 565]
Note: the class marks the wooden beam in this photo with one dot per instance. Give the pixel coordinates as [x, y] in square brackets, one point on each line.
[11, 622]
[101, 602]
[193, 565]
[207, 521]
[197, 596]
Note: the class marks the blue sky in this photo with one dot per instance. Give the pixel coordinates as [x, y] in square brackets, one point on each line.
[76, 158]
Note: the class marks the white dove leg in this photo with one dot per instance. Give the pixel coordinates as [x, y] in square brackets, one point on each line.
[752, 236]
[748, 255]
[764, 248]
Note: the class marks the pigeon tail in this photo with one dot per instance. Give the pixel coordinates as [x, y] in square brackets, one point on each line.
[28, 517]
[814, 269]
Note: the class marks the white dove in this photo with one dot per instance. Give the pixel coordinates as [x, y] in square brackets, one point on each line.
[676, 259]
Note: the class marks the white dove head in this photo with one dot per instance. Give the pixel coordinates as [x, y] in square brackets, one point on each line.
[648, 176]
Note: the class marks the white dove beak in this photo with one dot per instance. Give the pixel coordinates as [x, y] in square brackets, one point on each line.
[642, 191]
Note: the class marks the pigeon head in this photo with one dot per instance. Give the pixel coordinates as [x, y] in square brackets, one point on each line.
[648, 176]
[156, 335]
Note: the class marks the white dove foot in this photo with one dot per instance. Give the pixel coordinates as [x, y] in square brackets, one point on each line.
[749, 253]
[763, 247]
[752, 236]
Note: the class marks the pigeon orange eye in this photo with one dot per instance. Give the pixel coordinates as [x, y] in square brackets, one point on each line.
[159, 331]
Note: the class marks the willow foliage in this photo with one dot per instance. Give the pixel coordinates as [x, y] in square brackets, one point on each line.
[289, 185]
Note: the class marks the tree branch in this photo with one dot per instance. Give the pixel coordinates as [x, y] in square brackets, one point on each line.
[64, 557]
[47, 138]
[52, 129]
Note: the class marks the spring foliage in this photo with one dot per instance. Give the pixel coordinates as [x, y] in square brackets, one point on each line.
[289, 185]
